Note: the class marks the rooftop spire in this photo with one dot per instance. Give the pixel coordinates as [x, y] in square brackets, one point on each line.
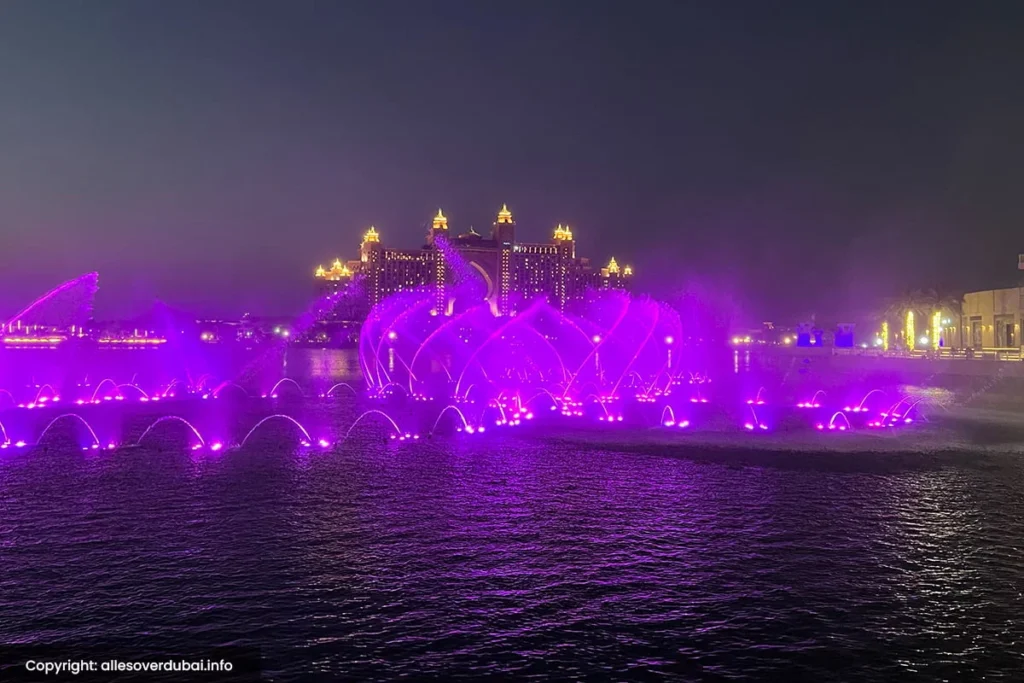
[371, 235]
[613, 266]
[440, 222]
[504, 216]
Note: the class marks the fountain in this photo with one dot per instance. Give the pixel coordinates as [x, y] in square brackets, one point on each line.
[71, 416]
[80, 291]
[287, 380]
[172, 418]
[305, 434]
[813, 402]
[397, 430]
[466, 426]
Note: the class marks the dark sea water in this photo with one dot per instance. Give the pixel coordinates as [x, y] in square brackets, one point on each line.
[525, 556]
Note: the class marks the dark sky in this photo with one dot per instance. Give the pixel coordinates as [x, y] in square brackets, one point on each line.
[791, 157]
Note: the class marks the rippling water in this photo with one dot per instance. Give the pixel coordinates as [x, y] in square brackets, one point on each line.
[529, 557]
[590, 554]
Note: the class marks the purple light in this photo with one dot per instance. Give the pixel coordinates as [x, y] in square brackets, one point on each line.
[216, 446]
[324, 443]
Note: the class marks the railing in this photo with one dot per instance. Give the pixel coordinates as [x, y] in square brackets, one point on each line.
[987, 353]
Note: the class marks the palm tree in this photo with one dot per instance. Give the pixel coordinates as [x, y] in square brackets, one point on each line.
[924, 303]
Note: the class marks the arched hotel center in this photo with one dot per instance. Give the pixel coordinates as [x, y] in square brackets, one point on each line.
[509, 274]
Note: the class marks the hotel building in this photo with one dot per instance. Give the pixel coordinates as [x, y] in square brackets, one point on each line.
[510, 274]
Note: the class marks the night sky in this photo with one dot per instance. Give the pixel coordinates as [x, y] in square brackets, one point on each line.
[806, 158]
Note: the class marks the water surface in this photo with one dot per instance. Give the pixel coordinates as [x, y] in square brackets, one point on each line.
[521, 555]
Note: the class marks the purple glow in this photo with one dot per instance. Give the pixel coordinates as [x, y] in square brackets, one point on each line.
[86, 283]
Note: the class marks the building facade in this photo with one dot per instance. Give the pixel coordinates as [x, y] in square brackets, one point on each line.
[509, 275]
[992, 319]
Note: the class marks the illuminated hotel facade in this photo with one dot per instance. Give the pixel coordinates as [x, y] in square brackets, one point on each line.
[511, 274]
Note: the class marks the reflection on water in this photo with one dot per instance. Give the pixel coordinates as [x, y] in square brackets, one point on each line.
[521, 554]
[442, 559]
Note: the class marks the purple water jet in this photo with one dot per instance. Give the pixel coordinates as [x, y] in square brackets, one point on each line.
[288, 418]
[72, 416]
[171, 418]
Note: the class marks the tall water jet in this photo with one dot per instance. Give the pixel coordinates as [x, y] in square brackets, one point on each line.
[76, 294]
